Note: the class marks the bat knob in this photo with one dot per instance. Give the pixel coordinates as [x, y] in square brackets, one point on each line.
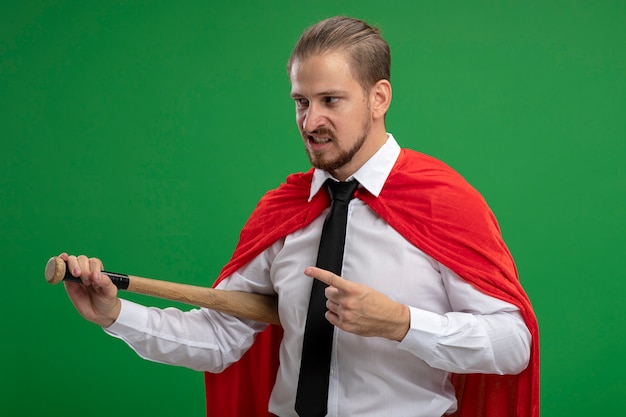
[55, 270]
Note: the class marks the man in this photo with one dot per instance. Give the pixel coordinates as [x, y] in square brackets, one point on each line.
[429, 316]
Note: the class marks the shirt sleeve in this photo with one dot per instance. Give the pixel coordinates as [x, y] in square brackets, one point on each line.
[481, 334]
[199, 339]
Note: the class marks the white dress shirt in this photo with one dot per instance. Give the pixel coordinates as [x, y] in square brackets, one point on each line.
[454, 327]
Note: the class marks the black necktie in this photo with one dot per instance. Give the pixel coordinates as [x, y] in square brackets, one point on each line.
[312, 394]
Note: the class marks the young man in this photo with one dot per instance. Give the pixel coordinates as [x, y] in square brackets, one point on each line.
[428, 316]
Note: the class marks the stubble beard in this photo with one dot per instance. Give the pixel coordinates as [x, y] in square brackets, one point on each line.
[345, 156]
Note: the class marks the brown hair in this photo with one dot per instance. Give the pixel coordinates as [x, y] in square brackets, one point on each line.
[368, 51]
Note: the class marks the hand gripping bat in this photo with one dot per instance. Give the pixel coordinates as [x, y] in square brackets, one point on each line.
[263, 308]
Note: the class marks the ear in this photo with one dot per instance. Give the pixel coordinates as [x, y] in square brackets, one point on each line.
[380, 98]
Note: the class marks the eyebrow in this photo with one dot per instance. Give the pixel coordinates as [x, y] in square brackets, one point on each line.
[328, 93]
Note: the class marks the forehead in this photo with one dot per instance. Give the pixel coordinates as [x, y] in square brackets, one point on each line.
[319, 73]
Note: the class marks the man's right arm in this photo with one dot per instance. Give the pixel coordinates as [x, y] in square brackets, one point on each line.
[199, 339]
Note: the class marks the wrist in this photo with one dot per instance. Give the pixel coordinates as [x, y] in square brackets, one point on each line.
[403, 323]
[111, 316]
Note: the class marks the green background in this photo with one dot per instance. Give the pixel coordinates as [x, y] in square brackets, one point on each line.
[144, 132]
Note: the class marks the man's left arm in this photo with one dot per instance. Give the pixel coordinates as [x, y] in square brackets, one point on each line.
[480, 335]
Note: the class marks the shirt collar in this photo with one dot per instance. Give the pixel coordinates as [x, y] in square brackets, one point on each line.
[372, 175]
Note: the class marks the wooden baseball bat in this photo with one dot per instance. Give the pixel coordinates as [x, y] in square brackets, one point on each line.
[263, 308]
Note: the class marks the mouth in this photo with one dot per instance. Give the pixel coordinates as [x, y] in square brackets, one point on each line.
[316, 144]
[318, 140]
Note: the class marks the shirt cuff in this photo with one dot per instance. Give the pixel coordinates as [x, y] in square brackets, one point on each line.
[132, 317]
[425, 329]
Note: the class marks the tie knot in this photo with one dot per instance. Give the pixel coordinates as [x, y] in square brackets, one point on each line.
[342, 191]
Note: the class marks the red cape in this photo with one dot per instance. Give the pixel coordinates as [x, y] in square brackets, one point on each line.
[435, 209]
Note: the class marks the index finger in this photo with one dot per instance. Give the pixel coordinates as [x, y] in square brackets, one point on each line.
[327, 277]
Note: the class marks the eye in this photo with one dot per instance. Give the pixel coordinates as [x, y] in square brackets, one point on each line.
[331, 100]
[301, 102]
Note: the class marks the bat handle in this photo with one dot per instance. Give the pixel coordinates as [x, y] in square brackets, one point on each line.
[56, 271]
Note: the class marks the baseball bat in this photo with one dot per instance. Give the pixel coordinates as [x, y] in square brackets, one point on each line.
[262, 308]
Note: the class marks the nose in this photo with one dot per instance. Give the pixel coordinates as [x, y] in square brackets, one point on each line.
[313, 118]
